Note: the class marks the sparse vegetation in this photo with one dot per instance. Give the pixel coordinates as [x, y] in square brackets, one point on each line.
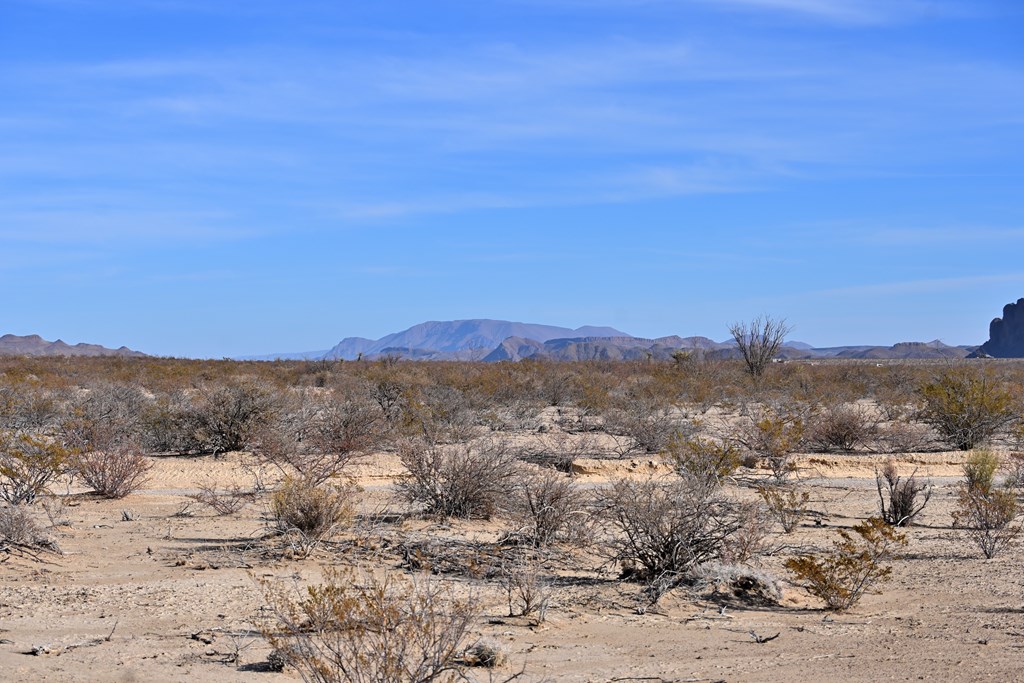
[988, 513]
[965, 407]
[900, 499]
[358, 627]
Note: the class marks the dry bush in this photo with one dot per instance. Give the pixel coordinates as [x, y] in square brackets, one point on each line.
[20, 532]
[111, 473]
[26, 406]
[666, 529]
[898, 498]
[313, 513]
[547, 507]
[966, 408]
[525, 588]
[842, 428]
[703, 459]
[460, 480]
[223, 501]
[360, 628]
[558, 450]
[854, 566]
[103, 414]
[227, 418]
[640, 427]
[787, 504]
[773, 435]
[902, 437]
[751, 539]
[28, 465]
[987, 512]
[439, 414]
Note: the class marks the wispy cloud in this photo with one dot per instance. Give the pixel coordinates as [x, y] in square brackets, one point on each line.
[922, 286]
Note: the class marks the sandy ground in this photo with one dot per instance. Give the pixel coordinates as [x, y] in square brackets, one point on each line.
[146, 593]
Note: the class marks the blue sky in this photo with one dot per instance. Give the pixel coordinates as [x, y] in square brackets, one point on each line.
[203, 178]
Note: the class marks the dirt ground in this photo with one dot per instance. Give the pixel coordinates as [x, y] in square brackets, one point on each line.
[150, 588]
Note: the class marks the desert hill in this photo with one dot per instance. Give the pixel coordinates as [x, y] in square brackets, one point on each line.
[34, 345]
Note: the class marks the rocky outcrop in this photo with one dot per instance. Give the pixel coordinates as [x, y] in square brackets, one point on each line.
[1006, 334]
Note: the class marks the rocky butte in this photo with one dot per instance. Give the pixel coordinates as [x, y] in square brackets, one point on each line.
[1006, 334]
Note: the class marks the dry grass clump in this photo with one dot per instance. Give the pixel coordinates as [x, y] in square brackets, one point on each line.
[21, 533]
[311, 512]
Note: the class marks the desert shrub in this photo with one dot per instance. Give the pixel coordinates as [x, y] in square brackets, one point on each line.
[901, 436]
[751, 539]
[102, 415]
[547, 507]
[703, 459]
[787, 504]
[899, 498]
[773, 435]
[841, 428]
[525, 588]
[313, 513]
[459, 480]
[28, 465]
[440, 414]
[965, 408]
[854, 566]
[1013, 467]
[987, 512]
[360, 628]
[28, 407]
[226, 501]
[19, 531]
[226, 418]
[111, 473]
[665, 529]
[484, 653]
[644, 427]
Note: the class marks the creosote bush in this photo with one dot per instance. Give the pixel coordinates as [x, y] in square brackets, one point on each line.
[854, 566]
[986, 511]
[966, 408]
[703, 459]
[548, 507]
[787, 504]
[356, 627]
[28, 465]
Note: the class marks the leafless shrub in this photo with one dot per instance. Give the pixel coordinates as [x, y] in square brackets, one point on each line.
[28, 407]
[28, 465]
[226, 418]
[311, 512]
[787, 504]
[486, 654]
[751, 538]
[666, 529]
[641, 427]
[841, 427]
[440, 414]
[527, 591]
[114, 472]
[103, 415]
[559, 449]
[358, 628]
[902, 437]
[460, 480]
[898, 498]
[19, 531]
[227, 501]
[57, 511]
[547, 507]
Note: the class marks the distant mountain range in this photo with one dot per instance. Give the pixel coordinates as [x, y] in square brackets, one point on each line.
[34, 345]
[498, 340]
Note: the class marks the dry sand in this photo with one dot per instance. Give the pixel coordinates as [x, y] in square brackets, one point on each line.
[174, 598]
